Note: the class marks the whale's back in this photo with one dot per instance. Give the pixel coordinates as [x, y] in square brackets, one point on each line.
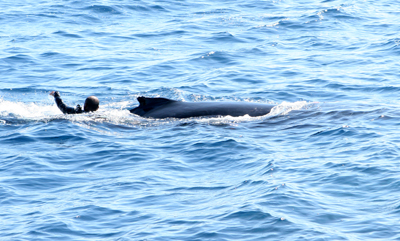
[166, 108]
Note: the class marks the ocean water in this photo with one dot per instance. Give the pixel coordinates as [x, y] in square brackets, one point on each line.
[323, 165]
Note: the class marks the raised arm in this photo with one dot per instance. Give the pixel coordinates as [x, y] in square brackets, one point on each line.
[63, 107]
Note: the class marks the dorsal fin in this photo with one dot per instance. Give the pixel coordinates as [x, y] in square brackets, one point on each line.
[150, 103]
[147, 104]
[144, 101]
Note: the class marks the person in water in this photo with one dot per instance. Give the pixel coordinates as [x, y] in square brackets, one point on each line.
[91, 104]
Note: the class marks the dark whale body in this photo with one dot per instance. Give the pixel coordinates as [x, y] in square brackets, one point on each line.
[166, 108]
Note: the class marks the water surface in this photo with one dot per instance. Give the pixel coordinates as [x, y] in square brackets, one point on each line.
[323, 165]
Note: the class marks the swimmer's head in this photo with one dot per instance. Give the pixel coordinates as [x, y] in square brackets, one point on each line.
[91, 104]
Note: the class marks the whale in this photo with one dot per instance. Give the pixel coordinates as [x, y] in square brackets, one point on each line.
[161, 108]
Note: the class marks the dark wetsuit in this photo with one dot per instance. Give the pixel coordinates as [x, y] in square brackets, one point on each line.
[64, 108]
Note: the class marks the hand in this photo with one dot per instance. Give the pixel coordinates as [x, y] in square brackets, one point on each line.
[52, 93]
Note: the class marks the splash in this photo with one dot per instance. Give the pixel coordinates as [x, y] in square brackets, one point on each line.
[26, 110]
[21, 113]
[285, 107]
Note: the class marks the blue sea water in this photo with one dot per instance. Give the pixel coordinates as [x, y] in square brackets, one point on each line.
[323, 165]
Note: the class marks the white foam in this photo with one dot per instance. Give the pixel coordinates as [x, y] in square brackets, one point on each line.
[26, 110]
[285, 107]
